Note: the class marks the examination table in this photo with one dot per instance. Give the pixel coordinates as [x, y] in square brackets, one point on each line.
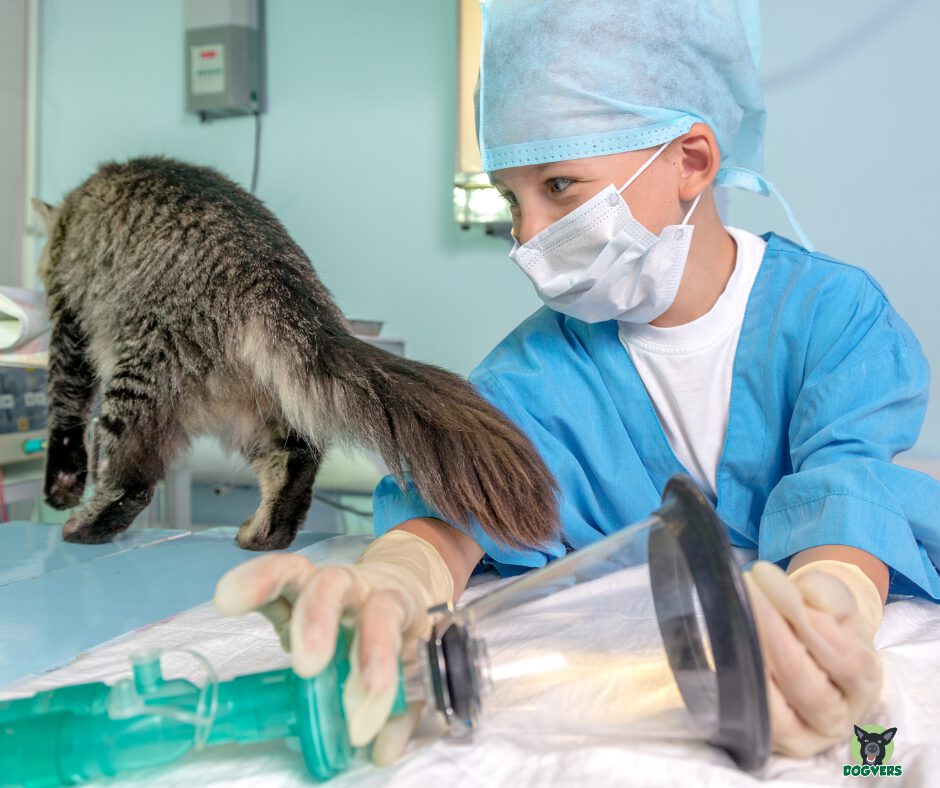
[73, 613]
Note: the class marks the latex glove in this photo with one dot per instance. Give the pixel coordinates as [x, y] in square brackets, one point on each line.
[386, 593]
[816, 629]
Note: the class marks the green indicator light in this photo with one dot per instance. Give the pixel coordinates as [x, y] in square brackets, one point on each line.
[34, 445]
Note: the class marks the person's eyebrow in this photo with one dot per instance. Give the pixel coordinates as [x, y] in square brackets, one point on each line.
[570, 165]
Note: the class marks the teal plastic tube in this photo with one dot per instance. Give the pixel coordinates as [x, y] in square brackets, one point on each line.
[70, 735]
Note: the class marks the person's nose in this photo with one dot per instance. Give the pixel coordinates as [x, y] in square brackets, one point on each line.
[529, 224]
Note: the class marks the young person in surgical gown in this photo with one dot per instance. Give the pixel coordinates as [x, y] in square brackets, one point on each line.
[780, 379]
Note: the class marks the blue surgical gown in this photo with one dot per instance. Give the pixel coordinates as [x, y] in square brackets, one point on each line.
[828, 385]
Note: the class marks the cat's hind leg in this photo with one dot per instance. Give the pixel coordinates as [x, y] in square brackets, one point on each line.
[72, 386]
[286, 467]
[139, 437]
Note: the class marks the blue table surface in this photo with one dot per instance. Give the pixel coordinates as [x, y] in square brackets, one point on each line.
[59, 599]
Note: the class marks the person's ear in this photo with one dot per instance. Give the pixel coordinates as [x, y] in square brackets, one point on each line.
[698, 160]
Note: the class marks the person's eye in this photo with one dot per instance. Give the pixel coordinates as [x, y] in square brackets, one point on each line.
[510, 198]
[558, 185]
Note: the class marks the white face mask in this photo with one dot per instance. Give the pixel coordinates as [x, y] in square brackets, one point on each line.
[599, 263]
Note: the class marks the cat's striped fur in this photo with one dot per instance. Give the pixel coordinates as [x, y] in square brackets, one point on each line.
[184, 300]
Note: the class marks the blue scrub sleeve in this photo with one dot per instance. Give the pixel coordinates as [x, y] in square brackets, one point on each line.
[862, 402]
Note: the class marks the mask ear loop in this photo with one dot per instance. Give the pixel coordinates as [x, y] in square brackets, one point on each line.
[642, 169]
[694, 205]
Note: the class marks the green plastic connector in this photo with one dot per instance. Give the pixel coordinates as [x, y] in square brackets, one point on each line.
[34, 446]
[70, 735]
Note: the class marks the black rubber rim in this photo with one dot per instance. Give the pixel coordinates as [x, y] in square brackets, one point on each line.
[692, 530]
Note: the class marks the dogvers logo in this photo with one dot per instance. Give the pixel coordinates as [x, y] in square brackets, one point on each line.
[871, 748]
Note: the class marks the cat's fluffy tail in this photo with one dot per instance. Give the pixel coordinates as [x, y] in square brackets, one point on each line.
[464, 456]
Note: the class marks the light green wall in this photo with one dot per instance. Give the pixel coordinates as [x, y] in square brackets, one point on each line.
[851, 91]
[357, 148]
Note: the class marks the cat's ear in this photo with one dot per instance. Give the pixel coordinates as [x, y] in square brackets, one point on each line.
[45, 212]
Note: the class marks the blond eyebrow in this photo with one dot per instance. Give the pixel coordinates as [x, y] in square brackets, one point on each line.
[567, 163]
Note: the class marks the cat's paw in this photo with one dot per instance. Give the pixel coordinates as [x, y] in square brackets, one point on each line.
[66, 470]
[106, 515]
[83, 528]
[261, 536]
[64, 490]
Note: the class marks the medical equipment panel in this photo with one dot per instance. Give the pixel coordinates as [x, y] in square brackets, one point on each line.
[224, 58]
[22, 414]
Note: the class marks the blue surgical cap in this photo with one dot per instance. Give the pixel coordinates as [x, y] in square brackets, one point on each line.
[568, 79]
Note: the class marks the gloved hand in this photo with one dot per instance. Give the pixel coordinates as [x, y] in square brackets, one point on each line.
[816, 628]
[389, 590]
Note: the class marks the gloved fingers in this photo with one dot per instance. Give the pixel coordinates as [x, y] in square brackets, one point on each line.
[368, 708]
[786, 728]
[842, 654]
[803, 686]
[779, 591]
[317, 613]
[278, 613]
[787, 600]
[381, 620]
[409, 649]
[822, 591]
[790, 735]
[856, 669]
[391, 741]
[255, 583]
[844, 647]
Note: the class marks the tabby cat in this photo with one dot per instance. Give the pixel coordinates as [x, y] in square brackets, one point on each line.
[182, 299]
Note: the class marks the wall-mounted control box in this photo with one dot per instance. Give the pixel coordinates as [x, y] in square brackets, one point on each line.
[224, 57]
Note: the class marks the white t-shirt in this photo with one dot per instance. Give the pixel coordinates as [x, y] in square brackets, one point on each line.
[687, 369]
